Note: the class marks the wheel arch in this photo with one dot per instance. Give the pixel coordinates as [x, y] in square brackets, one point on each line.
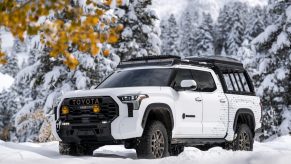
[244, 116]
[159, 109]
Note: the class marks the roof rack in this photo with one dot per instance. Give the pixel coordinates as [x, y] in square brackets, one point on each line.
[169, 60]
[165, 60]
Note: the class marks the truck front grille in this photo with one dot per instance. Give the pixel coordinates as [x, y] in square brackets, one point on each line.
[82, 113]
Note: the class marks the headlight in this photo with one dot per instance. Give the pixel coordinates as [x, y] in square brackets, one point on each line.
[133, 99]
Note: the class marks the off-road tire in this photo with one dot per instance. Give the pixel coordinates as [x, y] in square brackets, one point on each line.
[154, 142]
[244, 139]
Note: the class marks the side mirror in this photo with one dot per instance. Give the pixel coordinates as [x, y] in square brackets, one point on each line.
[189, 84]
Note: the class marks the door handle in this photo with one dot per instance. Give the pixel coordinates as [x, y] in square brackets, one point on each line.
[199, 99]
[184, 116]
[222, 100]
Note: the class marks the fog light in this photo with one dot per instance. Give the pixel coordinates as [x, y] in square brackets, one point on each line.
[65, 123]
[96, 109]
[65, 110]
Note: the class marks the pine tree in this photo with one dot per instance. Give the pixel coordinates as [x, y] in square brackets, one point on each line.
[255, 23]
[11, 67]
[8, 102]
[230, 27]
[164, 35]
[170, 37]
[235, 37]
[205, 37]
[273, 79]
[188, 32]
[221, 29]
[140, 36]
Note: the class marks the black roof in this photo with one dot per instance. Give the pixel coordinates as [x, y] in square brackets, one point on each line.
[223, 63]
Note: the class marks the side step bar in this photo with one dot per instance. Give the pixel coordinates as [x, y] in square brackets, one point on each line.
[197, 141]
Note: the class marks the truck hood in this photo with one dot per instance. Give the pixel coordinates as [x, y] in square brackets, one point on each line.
[113, 92]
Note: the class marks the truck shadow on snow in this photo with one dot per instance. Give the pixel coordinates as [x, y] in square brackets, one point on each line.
[115, 155]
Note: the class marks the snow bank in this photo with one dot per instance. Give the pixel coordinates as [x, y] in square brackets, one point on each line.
[277, 151]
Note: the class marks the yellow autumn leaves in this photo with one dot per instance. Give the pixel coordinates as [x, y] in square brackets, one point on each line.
[69, 26]
[2, 58]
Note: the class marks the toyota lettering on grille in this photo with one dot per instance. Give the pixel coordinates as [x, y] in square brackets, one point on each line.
[84, 101]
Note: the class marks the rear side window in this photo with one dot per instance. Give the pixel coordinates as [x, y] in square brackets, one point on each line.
[204, 80]
[236, 82]
[232, 78]
[244, 82]
[228, 82]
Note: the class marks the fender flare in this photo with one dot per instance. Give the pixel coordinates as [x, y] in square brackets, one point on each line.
[155, 106]
[244, 111]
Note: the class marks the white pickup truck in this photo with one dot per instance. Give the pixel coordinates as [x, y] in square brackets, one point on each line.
[158, 105]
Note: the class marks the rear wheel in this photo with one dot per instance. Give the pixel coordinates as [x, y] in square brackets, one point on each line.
[244, 139]
[154, 142]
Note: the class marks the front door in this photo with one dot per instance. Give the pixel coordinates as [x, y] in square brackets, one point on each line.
[188, 107]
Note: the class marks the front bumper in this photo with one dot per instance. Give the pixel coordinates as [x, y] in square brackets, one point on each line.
[124, 126]
[86, 133]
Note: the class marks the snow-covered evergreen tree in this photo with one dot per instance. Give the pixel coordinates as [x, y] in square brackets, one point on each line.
[9, 102]
[273, 76]
[235, 36]
[230, 27]
[164, 34]
[255, 24]
[220, 32]
[170, 37]
[188, 32]
[204, 37]
[140, 36]
[11, 67]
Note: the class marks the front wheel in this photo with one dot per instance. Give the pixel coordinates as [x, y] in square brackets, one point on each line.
[154, 142]
[244, 139]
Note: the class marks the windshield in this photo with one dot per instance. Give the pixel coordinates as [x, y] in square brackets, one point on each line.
[138, 77]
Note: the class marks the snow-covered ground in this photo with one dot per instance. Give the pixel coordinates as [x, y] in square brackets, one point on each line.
[277, 151]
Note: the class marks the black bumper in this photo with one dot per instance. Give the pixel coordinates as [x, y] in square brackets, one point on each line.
[87, 134]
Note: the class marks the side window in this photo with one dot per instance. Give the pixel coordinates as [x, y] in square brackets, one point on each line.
[232, 78]
[239, 82]
[244, 81]
[228, 82]
[182, 74]
[236, 82]
[204, 80]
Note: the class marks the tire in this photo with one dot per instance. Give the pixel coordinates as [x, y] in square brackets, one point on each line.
[244, 139]
[176, 150]
[154, 142]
